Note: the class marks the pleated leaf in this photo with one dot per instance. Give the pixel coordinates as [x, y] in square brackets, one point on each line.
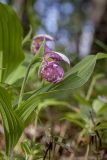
[12, 125]
[11, 53]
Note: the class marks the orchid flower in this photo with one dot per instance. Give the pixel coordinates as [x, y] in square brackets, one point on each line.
[50, 69]
[37, 41]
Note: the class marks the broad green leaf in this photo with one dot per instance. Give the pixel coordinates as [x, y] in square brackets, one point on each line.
[101, 55]
[82, 72]
[10, 41]
[16, 75]
[12, 125]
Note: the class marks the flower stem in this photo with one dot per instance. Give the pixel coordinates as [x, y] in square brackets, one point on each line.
[23, 84]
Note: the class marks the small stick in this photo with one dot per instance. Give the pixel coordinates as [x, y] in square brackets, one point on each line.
[47, 151]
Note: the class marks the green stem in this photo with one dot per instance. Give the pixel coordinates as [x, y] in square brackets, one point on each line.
[34, 60]
[23, 84]
[90, 90]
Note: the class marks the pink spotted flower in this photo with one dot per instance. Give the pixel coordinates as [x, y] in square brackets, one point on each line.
[37, 41]
[50, 69]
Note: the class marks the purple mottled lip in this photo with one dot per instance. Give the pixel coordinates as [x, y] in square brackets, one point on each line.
[52, 72]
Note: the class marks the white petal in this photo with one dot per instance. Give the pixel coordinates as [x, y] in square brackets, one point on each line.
[45, 36]
[64, 58]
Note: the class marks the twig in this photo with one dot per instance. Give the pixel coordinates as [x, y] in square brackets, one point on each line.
[50, 144]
